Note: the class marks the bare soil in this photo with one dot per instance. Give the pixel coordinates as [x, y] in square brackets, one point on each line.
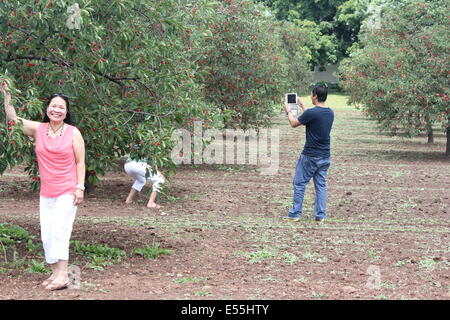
[387, 235]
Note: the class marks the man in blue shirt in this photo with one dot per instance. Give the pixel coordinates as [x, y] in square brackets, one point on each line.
[315, 159]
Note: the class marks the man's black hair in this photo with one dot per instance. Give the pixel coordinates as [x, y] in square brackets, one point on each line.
[321, 92]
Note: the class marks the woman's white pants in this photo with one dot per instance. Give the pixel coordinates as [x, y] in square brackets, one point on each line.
[56, 217]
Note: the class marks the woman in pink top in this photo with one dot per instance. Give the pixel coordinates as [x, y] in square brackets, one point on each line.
[60, 154]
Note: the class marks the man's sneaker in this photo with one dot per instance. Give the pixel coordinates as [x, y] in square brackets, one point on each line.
[292, 218]
[320, 220]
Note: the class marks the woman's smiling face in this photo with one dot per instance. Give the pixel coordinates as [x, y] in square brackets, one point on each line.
[57, 109]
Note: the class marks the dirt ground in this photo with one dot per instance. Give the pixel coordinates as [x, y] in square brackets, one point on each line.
[387, 235]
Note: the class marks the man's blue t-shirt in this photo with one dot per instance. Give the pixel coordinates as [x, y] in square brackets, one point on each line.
[318, 122]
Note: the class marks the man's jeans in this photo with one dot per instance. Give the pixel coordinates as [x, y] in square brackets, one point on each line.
[307, 168]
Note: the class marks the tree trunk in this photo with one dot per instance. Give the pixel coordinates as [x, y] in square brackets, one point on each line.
[447, 150]
[430, 134]
[429, 130]
[89, 186]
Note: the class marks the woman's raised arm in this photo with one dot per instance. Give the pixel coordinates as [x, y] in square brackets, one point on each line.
[29, 127]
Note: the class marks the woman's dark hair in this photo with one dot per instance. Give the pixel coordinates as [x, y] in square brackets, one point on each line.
[321, 92]
[68, 118]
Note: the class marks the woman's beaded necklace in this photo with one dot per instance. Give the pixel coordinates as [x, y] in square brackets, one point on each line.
[60, 129]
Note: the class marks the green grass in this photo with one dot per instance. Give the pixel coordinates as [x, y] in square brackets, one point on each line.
[314, 257]
[259, 256]
[99, 256]
[290, 258]
[337, 101]
[427, 263]
[13, 240]
[373, 255]
[202, 293]
[37, 267]
[396, 174]
[316, 295]
[152, 252]
[401, 263]
[301, 280]
[189, 279]
[385, 285]
[287, 203]
[10, 234]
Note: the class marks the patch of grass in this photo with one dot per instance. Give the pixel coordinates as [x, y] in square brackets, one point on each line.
[152, 252]
[348, 202]
[396, 174]
[17, 262]
[427, 263]
[265, 237]
[36, 248]
[405, 207]
[189, 279]
[301, 279]
[340, 241]
[169, 197]
[316, 295]
[314, 257]
[231, 167]
[104, 290]
[99, 255]
[37, 267]
[373, 255]
[268, 277]
[99, 263]
[6, 243]
[386, 285]
[13, 238]
[259, 256]
[401, 263]
[10, 234]
[194, 197]
[238, 253]
[202, 293]
[287, 203]
[290, 258]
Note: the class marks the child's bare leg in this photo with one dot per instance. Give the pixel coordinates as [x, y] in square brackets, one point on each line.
[131, 195]
[151, 202]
